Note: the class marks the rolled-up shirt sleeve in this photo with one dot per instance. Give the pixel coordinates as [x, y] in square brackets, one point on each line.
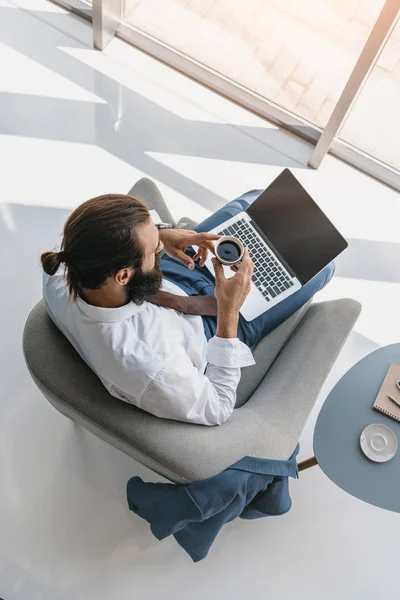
[179, 391]
[229, 352]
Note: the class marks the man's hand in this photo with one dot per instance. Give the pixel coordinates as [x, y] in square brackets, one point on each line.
[177, 240]
[230, 294]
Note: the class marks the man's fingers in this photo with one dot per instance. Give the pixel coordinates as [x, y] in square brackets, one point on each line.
[179, 255]
[246, 255]
[200, 257]
[246, 264]
[200, 238]
[208, 245]
[219, 269]
[203, 256]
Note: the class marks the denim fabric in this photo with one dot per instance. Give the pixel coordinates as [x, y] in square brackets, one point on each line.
[194, 514]
[200, 281]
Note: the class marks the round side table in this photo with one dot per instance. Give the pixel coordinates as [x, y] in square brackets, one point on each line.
[344, 414]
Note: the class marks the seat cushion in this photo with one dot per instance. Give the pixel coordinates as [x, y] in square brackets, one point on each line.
[264, 354]
[186, 223]
[147, 191]
[266, 426]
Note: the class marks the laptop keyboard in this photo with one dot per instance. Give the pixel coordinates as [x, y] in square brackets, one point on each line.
[269, 276]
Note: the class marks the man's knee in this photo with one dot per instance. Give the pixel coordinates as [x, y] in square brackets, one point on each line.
[329, 271]
[251, 195]
[229, 210]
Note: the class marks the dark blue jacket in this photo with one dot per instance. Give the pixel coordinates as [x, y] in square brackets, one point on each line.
[194, 513]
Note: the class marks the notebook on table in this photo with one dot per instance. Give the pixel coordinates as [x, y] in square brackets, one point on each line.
[382, 403]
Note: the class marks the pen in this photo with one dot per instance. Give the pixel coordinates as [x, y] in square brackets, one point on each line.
[397, 403]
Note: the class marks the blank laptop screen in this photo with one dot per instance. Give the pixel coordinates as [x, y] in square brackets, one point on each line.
[296, 227]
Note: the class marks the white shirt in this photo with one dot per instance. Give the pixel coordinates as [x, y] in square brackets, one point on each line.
[153, 357]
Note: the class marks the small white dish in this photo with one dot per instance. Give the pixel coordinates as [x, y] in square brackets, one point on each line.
[378, 442]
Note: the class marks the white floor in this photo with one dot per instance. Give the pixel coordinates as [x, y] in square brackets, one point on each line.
[75, 123]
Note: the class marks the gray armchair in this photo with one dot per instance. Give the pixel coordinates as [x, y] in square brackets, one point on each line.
[275, 397]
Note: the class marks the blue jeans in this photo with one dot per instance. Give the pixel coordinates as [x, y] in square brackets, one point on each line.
[200, 281]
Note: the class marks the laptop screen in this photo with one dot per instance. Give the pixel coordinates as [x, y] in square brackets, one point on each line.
[296, 227]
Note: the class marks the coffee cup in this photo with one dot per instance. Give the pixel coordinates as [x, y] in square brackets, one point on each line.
[229, 251]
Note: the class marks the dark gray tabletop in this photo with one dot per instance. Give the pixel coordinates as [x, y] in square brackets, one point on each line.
[345, 413]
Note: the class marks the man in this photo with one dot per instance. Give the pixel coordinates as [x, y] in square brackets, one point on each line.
[176, 354]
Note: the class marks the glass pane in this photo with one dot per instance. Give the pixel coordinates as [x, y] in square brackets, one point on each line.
[298, 54]
[373, 124]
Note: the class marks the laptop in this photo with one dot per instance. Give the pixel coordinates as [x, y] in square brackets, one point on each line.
[289, 239]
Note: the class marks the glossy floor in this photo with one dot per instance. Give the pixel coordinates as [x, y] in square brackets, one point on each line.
[75, 123]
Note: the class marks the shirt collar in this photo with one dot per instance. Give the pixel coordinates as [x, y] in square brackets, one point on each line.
[110, 315]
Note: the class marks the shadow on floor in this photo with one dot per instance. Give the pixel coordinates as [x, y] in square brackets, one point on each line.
[370, 260]
[122, 122]
[66, 487]
[25, 232]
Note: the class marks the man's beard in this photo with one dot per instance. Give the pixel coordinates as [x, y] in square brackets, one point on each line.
[144, 285]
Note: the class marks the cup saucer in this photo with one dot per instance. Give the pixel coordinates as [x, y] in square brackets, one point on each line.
[378, 442]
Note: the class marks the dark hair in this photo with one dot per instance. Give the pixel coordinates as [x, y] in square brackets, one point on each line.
[99, 238]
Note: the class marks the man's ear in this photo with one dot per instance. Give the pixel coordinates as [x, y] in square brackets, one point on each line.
[122, 276]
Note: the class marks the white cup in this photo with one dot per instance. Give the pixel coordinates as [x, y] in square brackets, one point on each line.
[229, 250]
